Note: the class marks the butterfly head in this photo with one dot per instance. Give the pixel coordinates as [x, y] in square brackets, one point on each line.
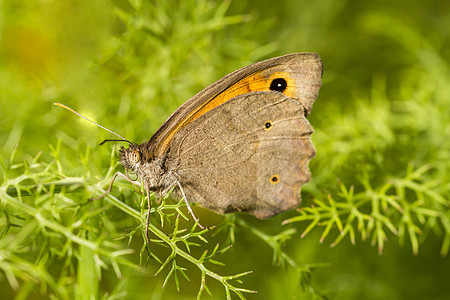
[132, 157]
[136, 160]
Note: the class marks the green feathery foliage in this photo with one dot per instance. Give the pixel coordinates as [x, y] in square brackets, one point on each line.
[382, 137]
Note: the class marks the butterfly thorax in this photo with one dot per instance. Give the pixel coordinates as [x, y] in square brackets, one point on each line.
[150, 171]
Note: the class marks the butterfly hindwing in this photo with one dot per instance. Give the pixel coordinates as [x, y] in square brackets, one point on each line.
[249, 154]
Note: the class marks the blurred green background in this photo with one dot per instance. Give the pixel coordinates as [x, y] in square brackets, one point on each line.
[384, 105]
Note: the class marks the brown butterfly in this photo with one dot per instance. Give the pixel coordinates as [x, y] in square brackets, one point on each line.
[241, 144]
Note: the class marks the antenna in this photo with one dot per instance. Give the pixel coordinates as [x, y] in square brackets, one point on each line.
[80, 115]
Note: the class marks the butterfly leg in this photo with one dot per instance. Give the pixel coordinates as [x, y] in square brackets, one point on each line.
[148, 217]
[189, 207]
[111, 185]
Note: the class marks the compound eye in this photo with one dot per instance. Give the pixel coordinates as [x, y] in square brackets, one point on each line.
[134, 157]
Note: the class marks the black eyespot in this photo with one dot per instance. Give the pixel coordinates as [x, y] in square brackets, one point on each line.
[278, 84]
[274, 179]
[267, 125]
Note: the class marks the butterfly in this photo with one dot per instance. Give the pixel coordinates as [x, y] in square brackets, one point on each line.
[242, 144]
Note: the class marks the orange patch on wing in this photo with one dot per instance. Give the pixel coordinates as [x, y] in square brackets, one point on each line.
[256, 82]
